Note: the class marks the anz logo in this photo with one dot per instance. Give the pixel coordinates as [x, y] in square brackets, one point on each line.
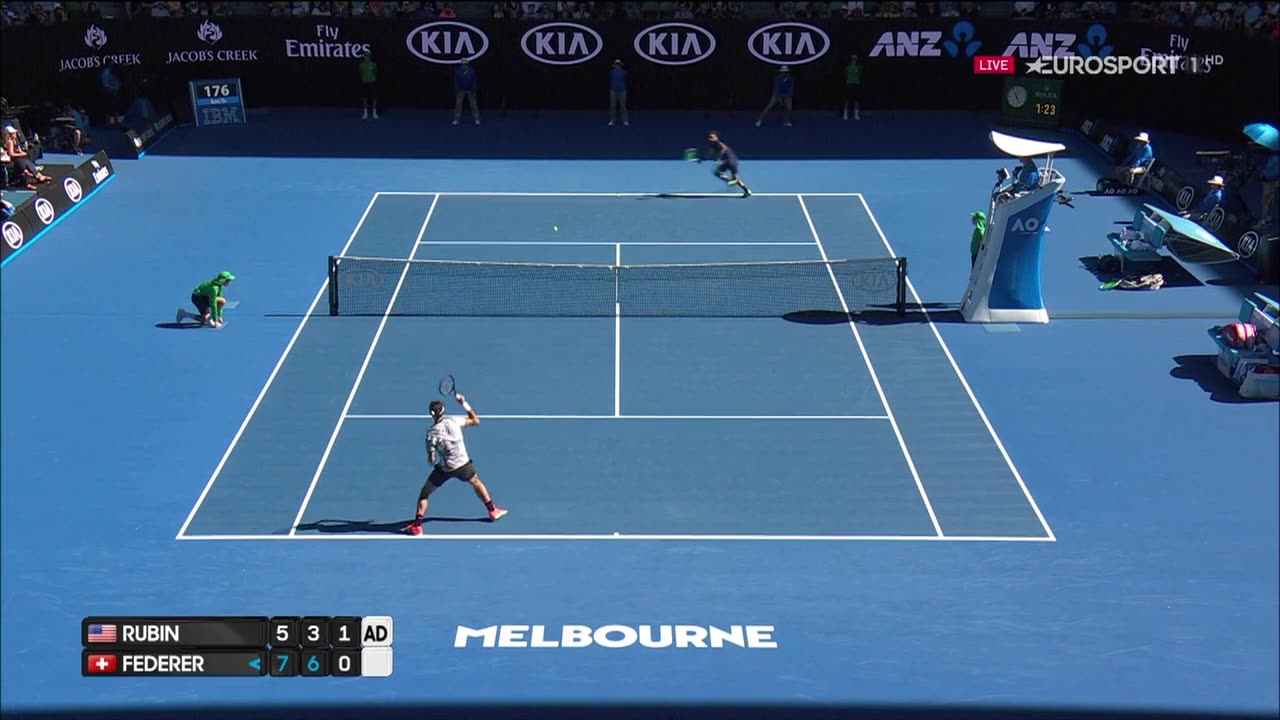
[929, 43]
[1050, 44]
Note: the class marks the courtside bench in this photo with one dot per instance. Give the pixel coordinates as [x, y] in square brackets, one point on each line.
[1151, 231]
[1255, 368]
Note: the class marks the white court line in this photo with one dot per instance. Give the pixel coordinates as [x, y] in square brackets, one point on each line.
[973, 398]
[364, 416]
[628, 244]
[731, 196]
[617, 336]
[272, 377]
[355, 387]
[499, 536]
[874, 379]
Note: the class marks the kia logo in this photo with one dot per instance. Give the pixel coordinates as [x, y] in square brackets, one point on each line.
[13, 235]
[1248, 244]
[788, 43]
[73, 189]
[1185, 196]
[44, 211]
[562, 43]
[447, 42]
[675, 44]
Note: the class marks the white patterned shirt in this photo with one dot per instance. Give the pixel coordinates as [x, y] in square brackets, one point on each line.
[445, 438]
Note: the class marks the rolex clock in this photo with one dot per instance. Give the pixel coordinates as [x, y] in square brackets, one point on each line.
[1032, 101]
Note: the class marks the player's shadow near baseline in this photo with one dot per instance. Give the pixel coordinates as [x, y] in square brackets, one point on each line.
[178, 326]
[369, 526]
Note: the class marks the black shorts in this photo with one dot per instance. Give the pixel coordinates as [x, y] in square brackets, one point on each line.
[370, 90]
[732, 169]
[439, 477]
[852, 93]
[201, 302]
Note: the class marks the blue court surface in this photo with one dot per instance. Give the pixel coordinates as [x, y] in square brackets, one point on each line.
[923, 513]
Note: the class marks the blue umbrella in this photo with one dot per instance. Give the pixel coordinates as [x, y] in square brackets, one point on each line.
[1263, 134]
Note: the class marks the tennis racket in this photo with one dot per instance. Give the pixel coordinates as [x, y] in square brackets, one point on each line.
[447, 387]
[690, 154]
[231, 304]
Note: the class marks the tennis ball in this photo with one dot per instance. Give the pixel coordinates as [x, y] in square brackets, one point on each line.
[615, 533]
[556, 228]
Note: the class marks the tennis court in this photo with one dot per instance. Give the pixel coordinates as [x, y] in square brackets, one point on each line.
[657, 423]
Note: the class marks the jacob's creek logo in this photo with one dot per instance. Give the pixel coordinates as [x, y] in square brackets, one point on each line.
[617, 636]
[960, 42]
[44, 211]
[328, 43]
[447, 42]
[210, 33]
[788, 43]
[675, 44]
[95, 39]
[13, 236]
[562, 43]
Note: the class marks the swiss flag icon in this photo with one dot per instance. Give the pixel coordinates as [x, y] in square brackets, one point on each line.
[101, 664]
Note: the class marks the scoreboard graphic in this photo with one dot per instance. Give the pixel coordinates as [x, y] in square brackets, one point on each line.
[237, 646]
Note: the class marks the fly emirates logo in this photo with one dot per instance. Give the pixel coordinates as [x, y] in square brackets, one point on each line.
[617, 636]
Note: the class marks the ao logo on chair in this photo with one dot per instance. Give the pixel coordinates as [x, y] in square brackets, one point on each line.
[561, 43]
[1029, 225]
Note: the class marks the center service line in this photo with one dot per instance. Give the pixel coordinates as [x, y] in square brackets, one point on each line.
[355, 387]
[617, 332]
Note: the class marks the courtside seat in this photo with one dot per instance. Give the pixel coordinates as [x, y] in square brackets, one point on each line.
[1255, 371]
[1151, 231]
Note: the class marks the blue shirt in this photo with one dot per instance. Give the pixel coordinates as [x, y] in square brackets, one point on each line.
[618, 80]
[1211, 201]
[464, 79]
[1140, 155]
[110, 81]
[1272, 169]
[725, 154]
[1028, 177]
[783, 85]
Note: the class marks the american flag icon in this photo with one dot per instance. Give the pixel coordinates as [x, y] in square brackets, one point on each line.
[102, 633]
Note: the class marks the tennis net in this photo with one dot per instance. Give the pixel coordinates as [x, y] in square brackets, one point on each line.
[378, 286]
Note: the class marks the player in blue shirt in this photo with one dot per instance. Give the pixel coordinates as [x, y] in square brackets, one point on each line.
[727, 170]
[784, 86]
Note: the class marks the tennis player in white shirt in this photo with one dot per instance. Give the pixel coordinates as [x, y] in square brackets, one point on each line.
[445, 443]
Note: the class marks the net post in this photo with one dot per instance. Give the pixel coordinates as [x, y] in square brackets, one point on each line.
[333, 286]
[901, 287]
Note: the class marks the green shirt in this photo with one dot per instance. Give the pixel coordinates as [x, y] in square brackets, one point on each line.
[211, 289]
[853, 74]
[979, 229]
[368, 72]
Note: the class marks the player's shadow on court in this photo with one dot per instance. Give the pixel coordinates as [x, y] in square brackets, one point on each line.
[939, 313]
[178, 326]
[369, 526]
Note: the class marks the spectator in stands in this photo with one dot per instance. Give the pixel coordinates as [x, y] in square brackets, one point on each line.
[1211, 200]
[1138, 159]
[447, 12]
[21, 159]
[783, 89]
[853, 88]
[464, 87]
[617, 92]
[369, 85]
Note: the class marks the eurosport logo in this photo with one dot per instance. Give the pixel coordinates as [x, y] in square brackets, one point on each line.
[95, 38]
[1247, 245]
[788, 43]
[44, 211]
[447, 42]
[1060, 44]
[561, 43]
[13, 235]
[210, 33]
[675, 44]
[73, 190]
[1185, 197]
[617, 636]
[962, 41]
[1110, 65]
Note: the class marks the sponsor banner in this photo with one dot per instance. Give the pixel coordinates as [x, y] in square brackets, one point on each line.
[51, 202]
[148, 134]
[615, 637]
[925, 63]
